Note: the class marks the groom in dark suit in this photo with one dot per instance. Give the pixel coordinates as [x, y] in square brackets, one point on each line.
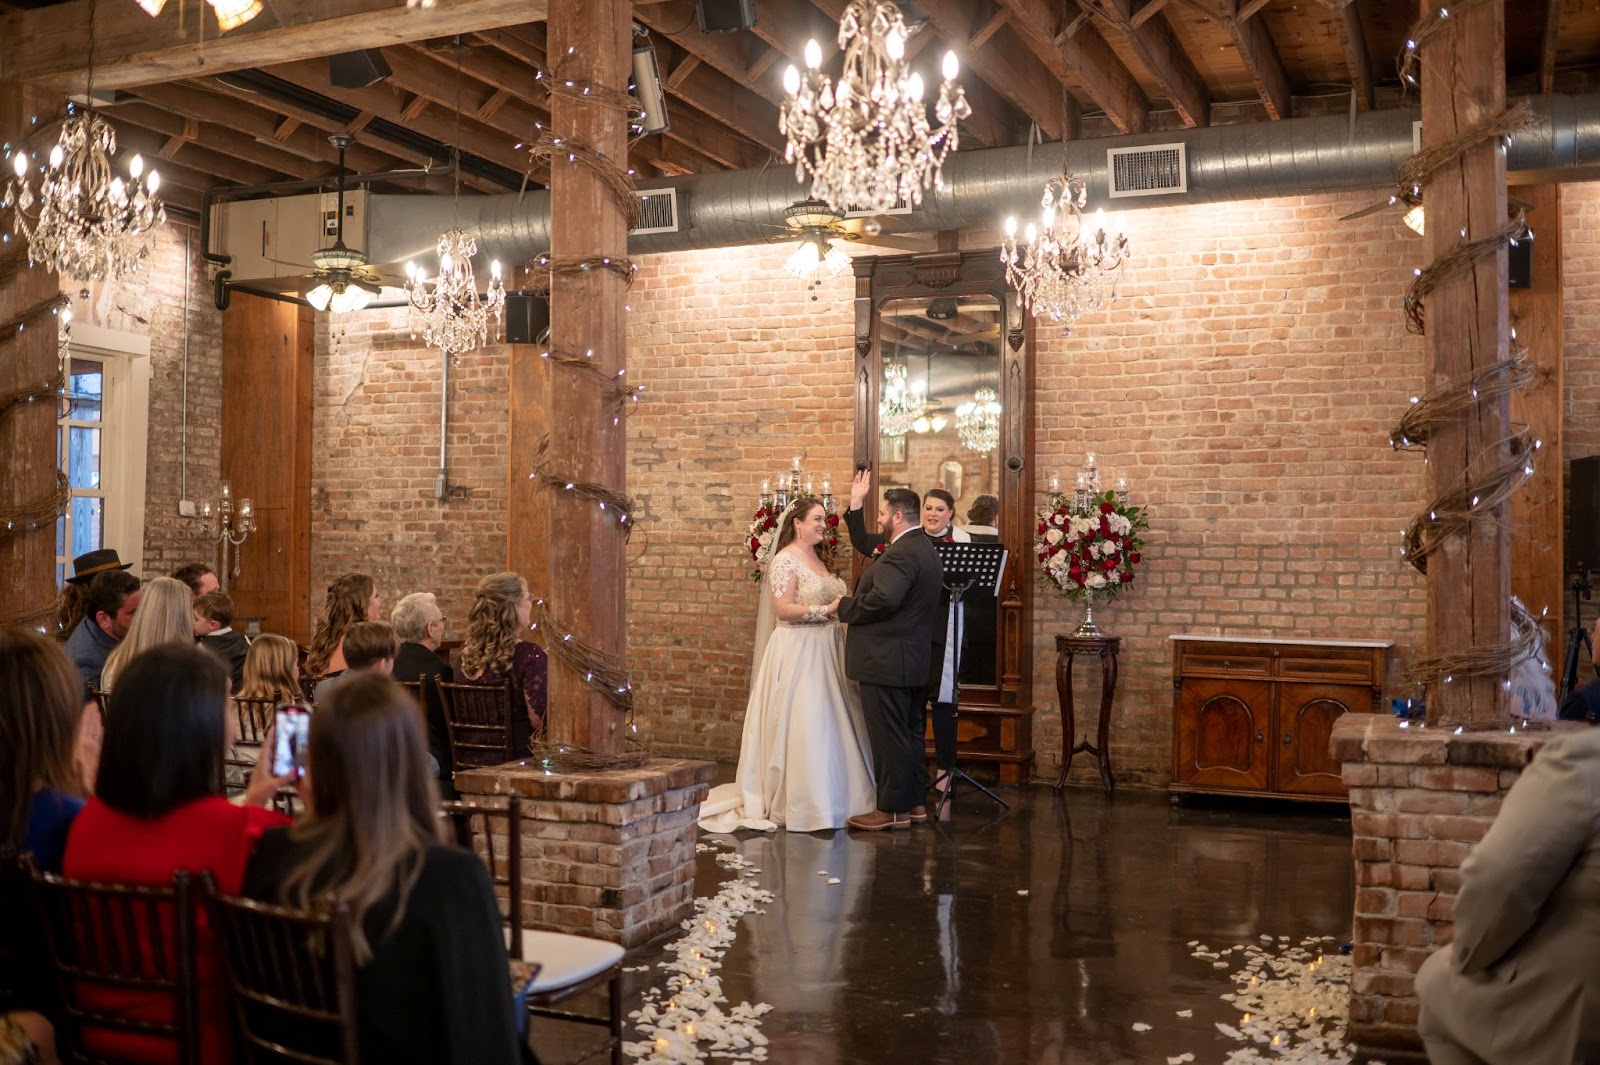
[888, 651]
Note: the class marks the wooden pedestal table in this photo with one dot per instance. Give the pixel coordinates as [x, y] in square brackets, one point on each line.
[1067, 648]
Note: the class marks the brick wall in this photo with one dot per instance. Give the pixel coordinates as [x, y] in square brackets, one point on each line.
[152, 304]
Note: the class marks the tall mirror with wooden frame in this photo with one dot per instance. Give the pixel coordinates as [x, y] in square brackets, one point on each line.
[943, 397]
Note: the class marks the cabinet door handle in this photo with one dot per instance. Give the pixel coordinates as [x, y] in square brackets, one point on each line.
[1288, 739]
[1261, 737]
[1227, 665]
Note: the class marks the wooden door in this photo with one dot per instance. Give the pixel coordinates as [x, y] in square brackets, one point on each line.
[1222, 734]
[1304, 723]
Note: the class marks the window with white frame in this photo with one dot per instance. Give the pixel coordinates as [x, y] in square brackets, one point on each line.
[100, 446]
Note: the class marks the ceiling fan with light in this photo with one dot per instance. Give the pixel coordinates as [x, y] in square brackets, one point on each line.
[231, 14]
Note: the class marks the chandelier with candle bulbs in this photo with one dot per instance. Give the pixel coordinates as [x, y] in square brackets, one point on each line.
[865, 139]
[978, 421]
[85, 221]
[1063, 266]
[901, 403]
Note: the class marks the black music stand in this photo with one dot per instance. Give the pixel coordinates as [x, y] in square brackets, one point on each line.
[965, 566]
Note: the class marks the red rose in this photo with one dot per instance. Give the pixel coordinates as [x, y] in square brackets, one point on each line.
[833, 521]
[1041, 528]
[755, 545]
[1107, 508]
[1133, 559]
[1105, 527]
[1108, 564]
[1127, 578]
[1075, 573]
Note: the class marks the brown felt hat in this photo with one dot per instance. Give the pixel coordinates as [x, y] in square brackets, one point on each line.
[84, 567]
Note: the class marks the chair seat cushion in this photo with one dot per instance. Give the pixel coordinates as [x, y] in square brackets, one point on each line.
[567, 959]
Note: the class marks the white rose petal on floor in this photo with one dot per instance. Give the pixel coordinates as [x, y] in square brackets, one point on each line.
[685, 1021]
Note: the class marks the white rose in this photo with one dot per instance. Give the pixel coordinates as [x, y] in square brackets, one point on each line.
[1053, 536]
[1095, 581]
[1055, 519]
[1120, 525]
[1107, 548]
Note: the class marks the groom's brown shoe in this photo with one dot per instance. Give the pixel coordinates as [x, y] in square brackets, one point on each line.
[919, 815]
[877, 821]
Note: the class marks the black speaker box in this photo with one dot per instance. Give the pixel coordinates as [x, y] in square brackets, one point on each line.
[725, 16]
[1583, 513]
[527, 318]
[1519, 264]
[357, 70]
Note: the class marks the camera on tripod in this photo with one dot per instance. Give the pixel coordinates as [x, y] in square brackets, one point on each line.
[1582, 588]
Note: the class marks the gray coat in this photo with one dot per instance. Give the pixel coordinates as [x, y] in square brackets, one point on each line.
[1520, 983]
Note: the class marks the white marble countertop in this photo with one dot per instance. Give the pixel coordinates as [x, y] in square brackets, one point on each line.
[1214, 638]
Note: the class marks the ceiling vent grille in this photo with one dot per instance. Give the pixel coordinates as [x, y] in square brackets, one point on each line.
[900, 207]
[660, 212]
[1153, 170]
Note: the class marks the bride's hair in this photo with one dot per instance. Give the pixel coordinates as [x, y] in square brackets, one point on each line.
[798, 510]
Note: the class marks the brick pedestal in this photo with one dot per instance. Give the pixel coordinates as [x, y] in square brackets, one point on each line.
[1419, 799]
[604, 854]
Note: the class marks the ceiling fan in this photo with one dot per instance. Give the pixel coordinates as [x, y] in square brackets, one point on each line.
[340, 279]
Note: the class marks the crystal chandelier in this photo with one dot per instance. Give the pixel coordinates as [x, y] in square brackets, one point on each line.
[1062, 267]
[901, 403]
[978, 422]
[865, 139]
[447, 311]
[85, 221]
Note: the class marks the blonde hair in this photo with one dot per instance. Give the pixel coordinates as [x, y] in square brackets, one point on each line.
[493, 629]
[269, 669]
[374, 806]
[344, 605]
[165, 615]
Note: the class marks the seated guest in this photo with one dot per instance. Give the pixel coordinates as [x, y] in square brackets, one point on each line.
[113, 601]
[271, 670]
[494, 652]
[73, 604]
[201, 578]
[431, 983]
[368, 646]
[352, 598]
[166, 615]
[213, 624]
[40, 793]
[419, 623]
[40, 706]
[158, 807]
[1518, 982]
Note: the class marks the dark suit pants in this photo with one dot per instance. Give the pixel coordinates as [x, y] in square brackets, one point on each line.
[895, 719]
[944, 735]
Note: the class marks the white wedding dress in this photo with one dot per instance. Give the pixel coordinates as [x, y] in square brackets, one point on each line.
[803, 759]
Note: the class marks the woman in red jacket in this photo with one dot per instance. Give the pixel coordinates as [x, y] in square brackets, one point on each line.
[158, 807]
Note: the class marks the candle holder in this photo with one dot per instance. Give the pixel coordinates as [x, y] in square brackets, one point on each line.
[780, 491]
[229, 524]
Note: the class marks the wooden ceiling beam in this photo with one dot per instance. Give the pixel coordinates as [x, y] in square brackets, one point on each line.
[1158, 48]
[732, 54]
[1261, 59]
[724, 100]
[220, 167]
[434, 78]
[221, 139]
[712, 140]
[131, 48]
[1549, 36]
[1005, 63]
[661, 154]
[1083, 57]
[1147, 11]
[1357, 59]
[1251, 7]
[285, 129]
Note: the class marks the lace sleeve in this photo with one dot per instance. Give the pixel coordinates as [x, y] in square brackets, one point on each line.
[781, 575]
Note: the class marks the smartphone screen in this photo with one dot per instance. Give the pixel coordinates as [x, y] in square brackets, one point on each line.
[292, 725]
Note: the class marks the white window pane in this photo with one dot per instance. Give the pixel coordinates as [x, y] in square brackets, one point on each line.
[86, 389]
[88, 524]
[83, 457]
[61, 536]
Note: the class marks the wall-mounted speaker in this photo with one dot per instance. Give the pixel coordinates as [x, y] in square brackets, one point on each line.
[725, 16]
[1583, 513]
[527, 318]
[1519, 264]
[357, 70]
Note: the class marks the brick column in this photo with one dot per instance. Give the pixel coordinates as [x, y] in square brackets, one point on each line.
[1419, 799]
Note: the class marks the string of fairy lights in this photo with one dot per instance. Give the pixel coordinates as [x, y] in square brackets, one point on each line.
[1494, 474]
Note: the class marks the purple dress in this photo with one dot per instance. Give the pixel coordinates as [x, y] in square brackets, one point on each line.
[529, 668]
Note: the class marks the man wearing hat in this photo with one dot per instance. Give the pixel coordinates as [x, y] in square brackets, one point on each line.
[110, 599]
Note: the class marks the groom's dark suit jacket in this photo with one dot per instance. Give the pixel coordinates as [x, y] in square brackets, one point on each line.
[893, 616]
[866, 542]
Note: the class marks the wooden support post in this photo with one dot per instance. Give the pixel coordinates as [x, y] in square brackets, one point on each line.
[587, 313]
[1538, 555]
[27, 432]
[1469, 585]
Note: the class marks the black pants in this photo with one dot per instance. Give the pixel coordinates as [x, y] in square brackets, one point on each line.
[944, 735]
[895, 719]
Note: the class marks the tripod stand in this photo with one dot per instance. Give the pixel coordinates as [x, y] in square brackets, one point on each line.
[965, 565]
[1578, 636]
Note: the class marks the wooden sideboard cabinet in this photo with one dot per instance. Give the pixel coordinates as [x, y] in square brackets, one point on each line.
[1253, 716]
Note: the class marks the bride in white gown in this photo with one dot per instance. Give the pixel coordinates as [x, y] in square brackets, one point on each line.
[803, 759]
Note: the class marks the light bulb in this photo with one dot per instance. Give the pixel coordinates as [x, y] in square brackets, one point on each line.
[791, 80]
[951, 66]
[1030, 233]
[153, 182]
[914, 86]
[55, 157]
[895, 43]
[411, 270]
[494, 269]
[319, 297]
[1011, 227]
[813, 54]
[19, 163]
[136, 166]
[444, 264]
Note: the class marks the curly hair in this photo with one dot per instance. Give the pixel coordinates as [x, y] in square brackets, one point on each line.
[492, 625]
[345, 604]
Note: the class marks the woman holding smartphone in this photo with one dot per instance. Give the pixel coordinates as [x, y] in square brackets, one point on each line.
[431, 983]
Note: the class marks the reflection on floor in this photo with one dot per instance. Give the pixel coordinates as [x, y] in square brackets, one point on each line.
[1042, 935]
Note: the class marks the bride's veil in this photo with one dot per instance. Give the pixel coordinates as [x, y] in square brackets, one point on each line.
[766, 614]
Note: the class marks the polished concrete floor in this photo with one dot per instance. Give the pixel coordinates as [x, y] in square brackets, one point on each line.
[1039, 935]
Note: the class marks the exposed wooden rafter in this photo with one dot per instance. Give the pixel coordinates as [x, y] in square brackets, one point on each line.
[187, 136]
[1261, 59]
[131, 48]
[1153, 42]
[1084, 57]
[1353, 42]
[1548, 40]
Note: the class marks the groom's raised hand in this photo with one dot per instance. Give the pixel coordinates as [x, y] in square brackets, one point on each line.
[860, 485]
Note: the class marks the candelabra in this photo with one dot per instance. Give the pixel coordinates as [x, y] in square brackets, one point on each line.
[1063, 268]
[865, 139]
[230, 526]
[779, 492]
[447, 311]
[1089, 487]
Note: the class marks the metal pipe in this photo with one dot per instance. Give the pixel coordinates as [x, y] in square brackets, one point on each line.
[441, 486]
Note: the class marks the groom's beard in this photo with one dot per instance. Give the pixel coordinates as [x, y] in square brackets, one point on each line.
[886, 527]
